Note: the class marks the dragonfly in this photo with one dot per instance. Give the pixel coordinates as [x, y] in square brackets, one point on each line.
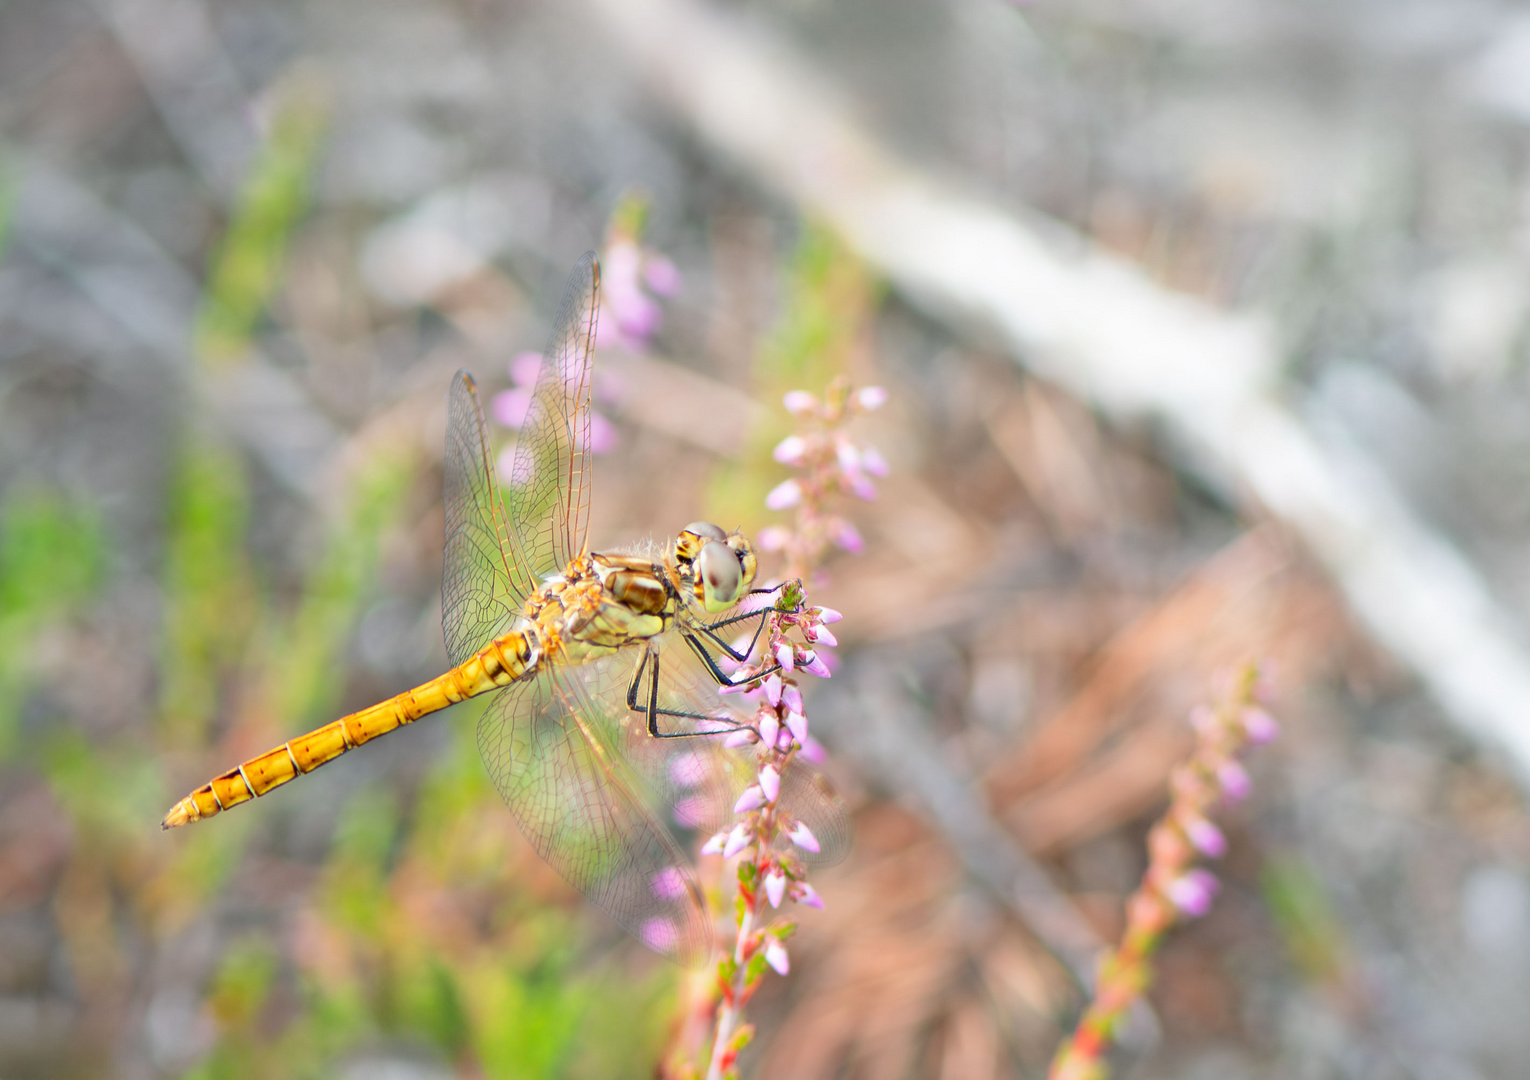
[603, 734]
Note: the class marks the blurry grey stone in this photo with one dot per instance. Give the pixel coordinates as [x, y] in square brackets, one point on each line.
[1495, 913]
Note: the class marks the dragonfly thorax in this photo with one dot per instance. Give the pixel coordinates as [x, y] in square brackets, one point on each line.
[714, 568]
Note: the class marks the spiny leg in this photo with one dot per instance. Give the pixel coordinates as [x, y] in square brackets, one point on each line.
[650, 662]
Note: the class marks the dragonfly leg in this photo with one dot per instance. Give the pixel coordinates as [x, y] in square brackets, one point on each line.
[710, 633]
[650, 708]
[716, 672]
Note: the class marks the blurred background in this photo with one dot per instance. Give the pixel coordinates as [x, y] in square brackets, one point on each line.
[247, 242]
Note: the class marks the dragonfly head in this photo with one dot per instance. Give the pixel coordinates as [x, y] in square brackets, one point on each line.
[716, 567]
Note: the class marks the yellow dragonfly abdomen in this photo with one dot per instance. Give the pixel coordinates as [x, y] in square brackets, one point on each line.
[498, 664]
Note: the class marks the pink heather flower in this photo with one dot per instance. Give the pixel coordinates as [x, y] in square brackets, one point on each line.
[785, 657]
[791, 450]
[741, 737]
[668, 884]
[813, 664]
[846, 536]
[873, 461]
[775, 887]
[687, 769]
[1206, 837]
[524, 367]
[826, 615]
[791, 698]
[602, 434]
[812, 750]
[804, 893]
[871, 398]
[738, 840]
[803, 837]
[714, 846]
[819, 635]
[849, 457]
[1234, 780]
[510, 407]
[860, 487]
[797, 724]
[660, 935]
[690, 812]
[799, 402]
[1194, 892]
[772, 538]
[770, 727]
[770, 783]
[775, 956]
[772, 688]
[661, 276]
[1260, 726]
[752, 799]
[784, 495]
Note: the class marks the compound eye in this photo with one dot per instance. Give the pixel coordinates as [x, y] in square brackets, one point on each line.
[720, 576]
[706, 529]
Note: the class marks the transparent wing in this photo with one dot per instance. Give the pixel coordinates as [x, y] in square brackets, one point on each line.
[698, 779]
[482, 588]
[549, 749]
[549, 475]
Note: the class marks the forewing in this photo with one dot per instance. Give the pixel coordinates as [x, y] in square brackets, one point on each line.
[482, 586]
[549, 750]
[550, 475]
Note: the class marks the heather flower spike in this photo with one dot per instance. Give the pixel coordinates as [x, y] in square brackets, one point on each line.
[1173, 888]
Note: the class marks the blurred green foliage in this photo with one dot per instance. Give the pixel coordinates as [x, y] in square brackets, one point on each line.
[52, 558]
[1311, 930]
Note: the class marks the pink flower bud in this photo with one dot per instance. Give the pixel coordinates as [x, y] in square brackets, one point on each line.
[849, 457]
[846, 536]
[772, 538]
[510, 407]
[772, 688]
[791, 698]
[770, 783]
[813, 664]
[1234, 780]
[791, 450]
[1206, 837]
[775, 887]
[871, 398]
[812, 750]
[770, 727]
[784, 656]
[826, 614]
[784, 495]
[714, 846]
[1260, 726]
[873, 461]
[738, 840]
[752, 799]
[860, 487]
[668, 884]
[799, 402]
[797, 724]
[775, 956]
[524, 367]
[803, 837]
[661, 276]
[820, 635]
[691, 812]
[741, 737]
[804, 893]
[660, 935]
[1194, 892]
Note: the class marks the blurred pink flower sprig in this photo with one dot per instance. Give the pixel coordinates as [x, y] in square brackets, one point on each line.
[829, 465]
[1174, 888]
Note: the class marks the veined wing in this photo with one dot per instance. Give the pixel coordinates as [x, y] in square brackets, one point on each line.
[549, 490]
[482, 584]
[549, 749]
[698, 779]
